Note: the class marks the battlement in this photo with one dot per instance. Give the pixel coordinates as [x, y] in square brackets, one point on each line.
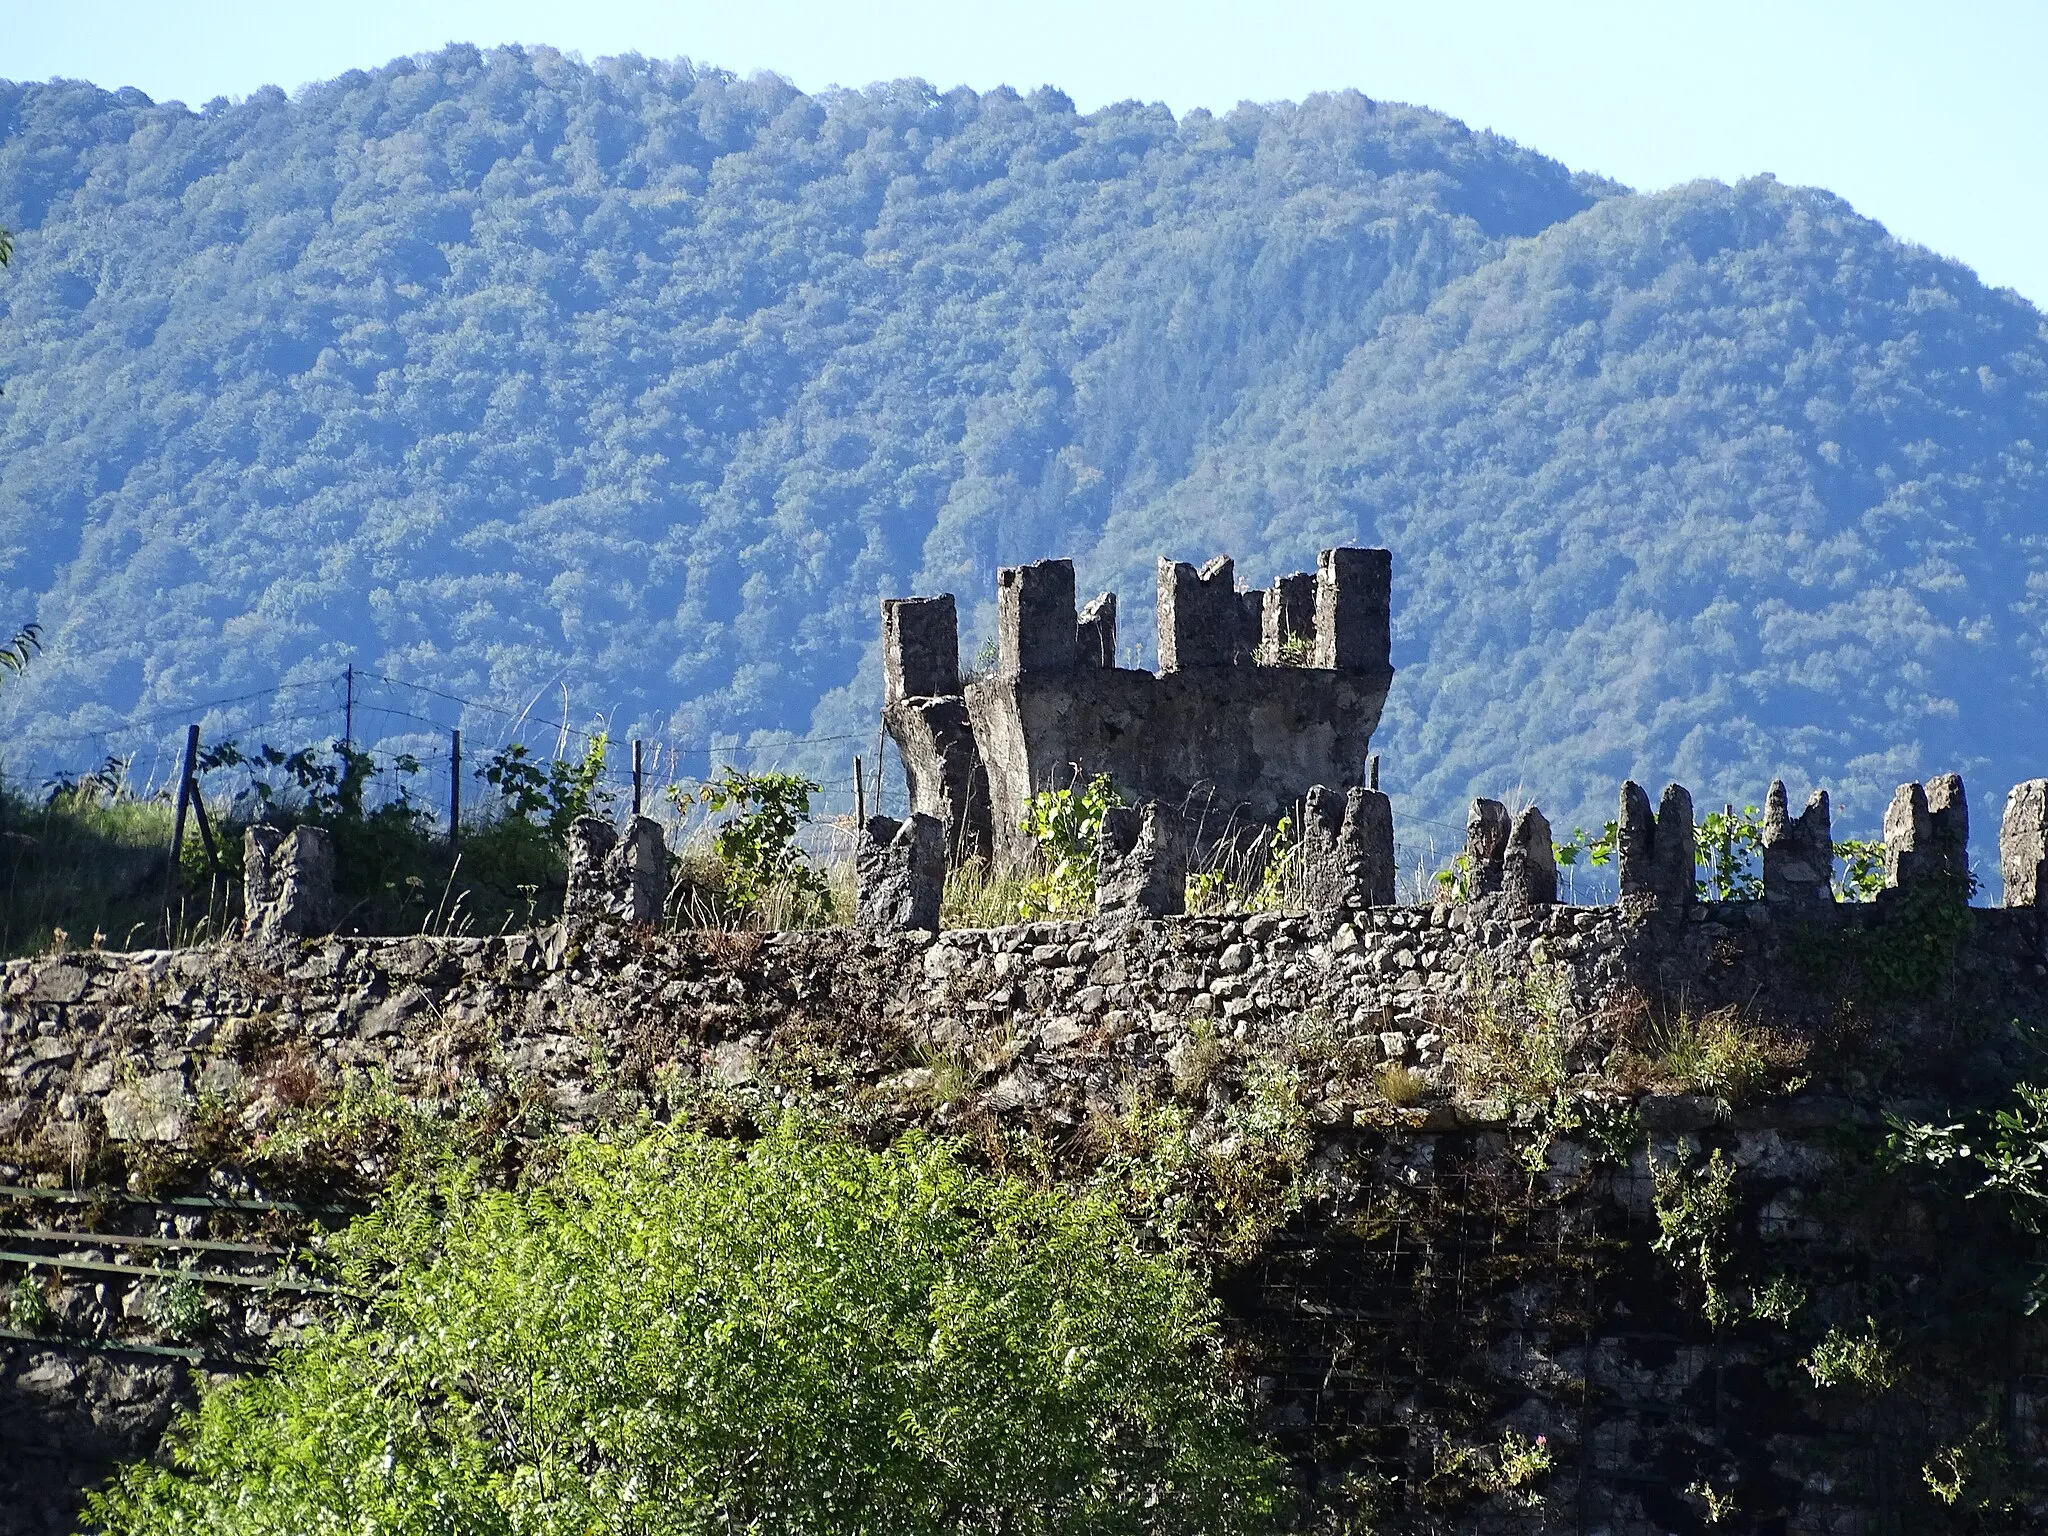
[1258, 698]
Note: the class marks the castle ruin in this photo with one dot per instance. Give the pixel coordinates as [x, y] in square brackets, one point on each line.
[1260, 697]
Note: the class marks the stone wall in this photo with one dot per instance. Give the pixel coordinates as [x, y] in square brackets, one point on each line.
[1390, 1285]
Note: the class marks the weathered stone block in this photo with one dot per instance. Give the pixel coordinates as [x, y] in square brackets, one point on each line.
[942, 767]
[920, 648]
[2023, 845]
[1198, 614]
[1486, 844]
[1799, 855]
[1529, 866]
[1141, 862]
[1948, 820]
[1251, 627]
[637, 871]
[1035, 623]
[1346, 849]
[1095, 633]
[1927, 834]
[259, 847]
[155, 1109]
[900, 873]
[1289, 616]
[287, 881]
[1655, 853]
[1354, 609]
[621, 878]
[591, 839]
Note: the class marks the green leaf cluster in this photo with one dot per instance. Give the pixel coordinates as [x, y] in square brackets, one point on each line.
[553, 794]
[673, 1334]
[757, 843]
[1066, 824]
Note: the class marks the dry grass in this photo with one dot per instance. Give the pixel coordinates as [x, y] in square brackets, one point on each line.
[979, 897]
[1720, 1053]
[1400, 1086]
[1515, 1037]
[1198, 1061]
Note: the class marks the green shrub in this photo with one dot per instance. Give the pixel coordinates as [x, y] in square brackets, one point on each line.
[679, 1335]
[176, 1307]
[28, 1306]
[1066, 824]
[757, 848]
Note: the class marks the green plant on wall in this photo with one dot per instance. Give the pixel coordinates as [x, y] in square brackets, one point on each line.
[1729, 845]
[1067, 826]
[1597, 847]
[1283, 864]
[1694, 1200]
[550, 795]
[2005, 1161]
[757, 843]
[1861, 876]
[1862, 1357]
[1454, 880]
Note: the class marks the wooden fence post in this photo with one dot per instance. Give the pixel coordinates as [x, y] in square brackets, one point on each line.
[184, 793]
[178, 823]
[454, 788]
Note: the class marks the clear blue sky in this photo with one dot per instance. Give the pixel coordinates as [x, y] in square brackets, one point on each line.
[1930, 117]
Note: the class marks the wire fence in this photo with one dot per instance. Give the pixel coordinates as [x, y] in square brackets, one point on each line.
[408, 730]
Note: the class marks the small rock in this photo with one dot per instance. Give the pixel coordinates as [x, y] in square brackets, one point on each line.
[909, 1083]
[156, 1109]
[1681, 1111]
[1012, 1092]
[1063, 1032]
[734, 1062]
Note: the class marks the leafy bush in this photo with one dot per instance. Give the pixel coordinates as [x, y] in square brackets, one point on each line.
[1695, 1202]
[1729, 846]
[2005, 1159]
[1864, 1358]
[176, 1307]
[757, 846]
[1862, 875]
[554, 795]
[677, 1335]
[28, 1306]
[1066, 823]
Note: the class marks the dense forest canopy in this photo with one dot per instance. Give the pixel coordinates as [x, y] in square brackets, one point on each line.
[636, 385]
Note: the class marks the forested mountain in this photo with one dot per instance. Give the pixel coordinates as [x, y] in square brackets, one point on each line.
[513, 376]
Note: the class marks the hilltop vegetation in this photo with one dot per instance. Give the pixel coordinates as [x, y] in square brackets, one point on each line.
[504, 373]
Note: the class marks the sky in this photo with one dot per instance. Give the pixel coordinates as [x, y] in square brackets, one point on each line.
[1930, 118]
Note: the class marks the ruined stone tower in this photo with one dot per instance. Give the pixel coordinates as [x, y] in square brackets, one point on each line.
[1259, 697]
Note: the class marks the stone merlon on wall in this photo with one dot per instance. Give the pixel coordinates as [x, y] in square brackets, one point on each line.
[1253, 702]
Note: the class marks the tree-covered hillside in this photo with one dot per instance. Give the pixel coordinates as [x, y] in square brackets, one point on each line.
[513, 376]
